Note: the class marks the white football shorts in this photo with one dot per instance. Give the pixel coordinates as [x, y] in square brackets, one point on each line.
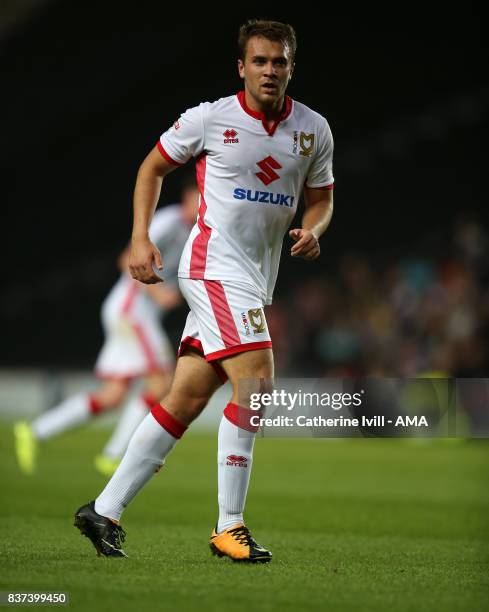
[225, 318]
[135, 343]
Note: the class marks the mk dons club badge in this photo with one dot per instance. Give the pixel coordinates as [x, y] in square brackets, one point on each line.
[303, 144]
[257, 320]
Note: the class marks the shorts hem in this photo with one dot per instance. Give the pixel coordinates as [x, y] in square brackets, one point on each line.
[238, 348]
[197, 344]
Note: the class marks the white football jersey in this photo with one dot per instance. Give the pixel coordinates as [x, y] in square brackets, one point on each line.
[250, 178]
[127, 298]
[169, 232]
[135, 342]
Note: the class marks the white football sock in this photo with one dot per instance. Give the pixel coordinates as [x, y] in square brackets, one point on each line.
[70, 413]
[133, 414]
[146, 453]
[234, 461]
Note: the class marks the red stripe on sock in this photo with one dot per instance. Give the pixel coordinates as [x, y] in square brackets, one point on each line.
[168, 422]
[95, 405]
[149, 400]
[240, 416]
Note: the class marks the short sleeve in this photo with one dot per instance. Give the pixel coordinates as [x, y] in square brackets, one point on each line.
[321, 170]
[185, 138]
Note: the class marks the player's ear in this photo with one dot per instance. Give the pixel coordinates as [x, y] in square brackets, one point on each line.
[241, 68]
[291, 70]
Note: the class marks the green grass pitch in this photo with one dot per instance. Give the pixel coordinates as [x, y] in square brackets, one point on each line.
[361, 525]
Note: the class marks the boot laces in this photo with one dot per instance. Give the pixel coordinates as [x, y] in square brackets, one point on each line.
[242, 535]
[119, 535]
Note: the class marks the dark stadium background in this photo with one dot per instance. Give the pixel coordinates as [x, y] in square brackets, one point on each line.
[88, 88]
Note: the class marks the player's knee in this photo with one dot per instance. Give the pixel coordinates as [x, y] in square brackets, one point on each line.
[185, 408]
[197, 403]
[111, 396]
[157, 385]
[117, 396]
[246, 390]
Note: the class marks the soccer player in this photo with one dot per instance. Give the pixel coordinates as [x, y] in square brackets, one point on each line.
[135, 346]
[256, 152]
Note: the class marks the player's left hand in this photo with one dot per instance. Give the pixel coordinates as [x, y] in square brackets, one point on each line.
[306, 244]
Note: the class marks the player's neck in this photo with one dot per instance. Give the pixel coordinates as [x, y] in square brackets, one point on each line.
[270, 112]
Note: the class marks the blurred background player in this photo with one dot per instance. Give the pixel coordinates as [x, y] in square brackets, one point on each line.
[136, 346]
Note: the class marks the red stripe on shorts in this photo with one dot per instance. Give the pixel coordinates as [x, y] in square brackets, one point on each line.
[147, 348]
[132, 291]
[222, 313]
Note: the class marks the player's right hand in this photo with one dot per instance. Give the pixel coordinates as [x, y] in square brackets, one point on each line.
[143, 254]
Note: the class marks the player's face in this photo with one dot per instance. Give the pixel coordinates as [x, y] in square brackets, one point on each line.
[266, 70]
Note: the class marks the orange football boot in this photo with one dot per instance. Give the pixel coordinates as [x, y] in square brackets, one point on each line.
[238, 544]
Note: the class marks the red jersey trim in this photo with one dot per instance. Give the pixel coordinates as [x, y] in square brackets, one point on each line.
[324, 187]
[166, 156]
[261, 117]
[198, 257]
